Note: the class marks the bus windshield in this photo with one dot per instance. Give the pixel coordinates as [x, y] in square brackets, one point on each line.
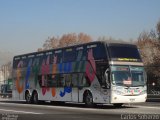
[128, 76]
[119, 51]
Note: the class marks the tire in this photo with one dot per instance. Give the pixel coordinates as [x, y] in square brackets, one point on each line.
[118, 105]
[28, 98]
[88, 99]
[35, 98]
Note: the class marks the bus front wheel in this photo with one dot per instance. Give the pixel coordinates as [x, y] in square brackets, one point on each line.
[118, 105]
[88, 99]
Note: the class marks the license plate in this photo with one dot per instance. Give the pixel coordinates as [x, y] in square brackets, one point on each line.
[132, 100]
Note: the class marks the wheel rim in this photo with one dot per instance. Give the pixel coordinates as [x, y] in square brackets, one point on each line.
[35, 98]
[89, 99]
[28, 97]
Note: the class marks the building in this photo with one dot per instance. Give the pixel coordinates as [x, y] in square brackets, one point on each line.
[1, 77]
[5, 74]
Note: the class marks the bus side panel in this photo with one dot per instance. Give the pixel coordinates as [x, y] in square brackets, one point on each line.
[100, 95]
[19, 84]
[60, 94]
[17, 95]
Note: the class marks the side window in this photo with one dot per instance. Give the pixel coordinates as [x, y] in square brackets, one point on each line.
[97, 49]
[69, 55]
[59, 55]
[52, 80]
[68, 78]
[40, 80]
[83, 80]
[44, 82]
[25, 62]
[86, 82]
[75, 80]
[81, 53]
[61, 81]
[15, 64]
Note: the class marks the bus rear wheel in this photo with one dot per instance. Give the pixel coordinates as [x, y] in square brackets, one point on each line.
[88, 99]
[35, 98]
[28, 97]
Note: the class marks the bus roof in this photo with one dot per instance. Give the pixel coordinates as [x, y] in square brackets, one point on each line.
[61, 48]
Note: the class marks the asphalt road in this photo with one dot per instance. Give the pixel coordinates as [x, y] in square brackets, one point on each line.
[19, 110]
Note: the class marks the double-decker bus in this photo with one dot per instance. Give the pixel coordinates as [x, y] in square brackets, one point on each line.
[91, 73]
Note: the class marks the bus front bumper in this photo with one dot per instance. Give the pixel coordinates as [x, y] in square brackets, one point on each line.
[128, 99]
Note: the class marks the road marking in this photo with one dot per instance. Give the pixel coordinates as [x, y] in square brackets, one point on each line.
[147, 107]
[19, 111]
[83, 109]
[50, 106]
[60, 107]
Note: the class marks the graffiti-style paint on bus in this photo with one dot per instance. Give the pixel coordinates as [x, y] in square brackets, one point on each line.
[83, 73]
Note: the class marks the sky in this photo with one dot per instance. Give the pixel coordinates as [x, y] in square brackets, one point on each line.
[26, 24]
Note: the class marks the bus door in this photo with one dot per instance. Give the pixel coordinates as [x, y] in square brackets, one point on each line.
[75, 89]
[79, 82]
[66, 89]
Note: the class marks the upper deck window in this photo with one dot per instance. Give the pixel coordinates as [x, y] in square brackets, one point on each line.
[99, 51]
[69, 55]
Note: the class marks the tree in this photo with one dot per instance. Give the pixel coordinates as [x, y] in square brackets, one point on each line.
[158, 29]
[149, 46]
[110, 39]
[51, 43]
[39, 49]
[66, 40]
[83, 38]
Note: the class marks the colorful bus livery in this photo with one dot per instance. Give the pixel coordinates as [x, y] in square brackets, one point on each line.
[83, 73]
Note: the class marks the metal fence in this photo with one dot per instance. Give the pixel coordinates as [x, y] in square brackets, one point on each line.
[153, 81]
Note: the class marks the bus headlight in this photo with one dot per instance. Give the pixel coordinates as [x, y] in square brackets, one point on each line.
[143, 92]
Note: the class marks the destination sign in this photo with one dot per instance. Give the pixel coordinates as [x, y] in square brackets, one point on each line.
[127, 59]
